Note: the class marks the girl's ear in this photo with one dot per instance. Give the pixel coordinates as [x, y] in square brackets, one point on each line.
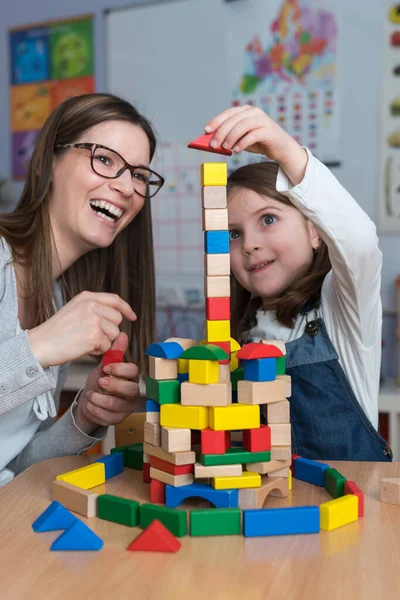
[315, 238]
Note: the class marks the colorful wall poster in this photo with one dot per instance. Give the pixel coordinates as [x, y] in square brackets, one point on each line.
[49, 62]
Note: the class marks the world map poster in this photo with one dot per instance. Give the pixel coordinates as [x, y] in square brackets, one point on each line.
[287, 65]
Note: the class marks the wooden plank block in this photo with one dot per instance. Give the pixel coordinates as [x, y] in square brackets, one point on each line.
[184, 417]
[280, 435]
[261, 392]
[200, 471]
[74, 498]
[281, 521]
[175, 458]
[278, 412]
[246, 480]
[265, 468]
[168, 479]
[339, 512]
[212, 394]
[152, 433]
[219, 521]
[235, 416]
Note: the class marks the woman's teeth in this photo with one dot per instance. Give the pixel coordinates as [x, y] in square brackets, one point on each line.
[107, 211]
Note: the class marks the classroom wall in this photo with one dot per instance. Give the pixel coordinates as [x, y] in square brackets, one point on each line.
[360, 100]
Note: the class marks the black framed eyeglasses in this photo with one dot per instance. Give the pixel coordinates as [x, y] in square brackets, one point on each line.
[109, 164]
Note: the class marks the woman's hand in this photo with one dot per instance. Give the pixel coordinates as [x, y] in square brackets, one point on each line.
[109, 396]
[88, 324]
[250, 128]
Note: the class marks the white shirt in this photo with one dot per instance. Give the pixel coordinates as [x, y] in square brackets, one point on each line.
[350, 297]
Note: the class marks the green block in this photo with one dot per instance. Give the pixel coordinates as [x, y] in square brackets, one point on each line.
[174, 520]
[334, 482]
[281, 365]
[124, 450]
[234, 456]
[134, 457]
[163, 391]
[205, 352]
[216, 521]
[236, 375]
[118, 510]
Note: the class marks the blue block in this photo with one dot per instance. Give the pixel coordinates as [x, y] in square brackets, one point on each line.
[174, 496]
[183, 377]
[113, 463]
[56, 516]
[78, 537]
[216, 242]
[152, 406]
[280, 521]
[260, 369]
[310, 471]
[171, 350]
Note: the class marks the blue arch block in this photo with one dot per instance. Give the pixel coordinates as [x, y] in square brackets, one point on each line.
[171, 350]
[174, 496]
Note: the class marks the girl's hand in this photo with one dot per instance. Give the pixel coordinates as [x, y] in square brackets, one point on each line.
[250, 128]
[108, 397]
[88, 324]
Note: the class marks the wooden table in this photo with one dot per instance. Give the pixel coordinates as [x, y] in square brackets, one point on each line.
[358, 561]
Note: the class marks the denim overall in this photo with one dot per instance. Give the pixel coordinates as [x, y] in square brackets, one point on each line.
[327, 420]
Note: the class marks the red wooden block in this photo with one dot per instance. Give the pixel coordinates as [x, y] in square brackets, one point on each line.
[227, 439]
[155, 538]
[167, 467]
[146, 473]
[293, 463]
[112, 356]
[157, 492]
[350, 487]
[213, 442]
[258, 350]
[257, 440]
[225, 346]
[203, 143]
[218, 309]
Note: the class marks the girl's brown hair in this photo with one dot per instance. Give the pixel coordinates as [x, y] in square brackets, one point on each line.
[261, 178]
[125, 268]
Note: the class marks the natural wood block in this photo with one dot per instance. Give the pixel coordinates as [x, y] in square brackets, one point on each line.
[278, 412]
[390, 490]
[255, 498]
[175, 440]
[261, 392]
[214, 174]
[217, 331]
[213, 394]
[131, 430]
[214, 196]
[168, 479]
[265, 468]
[217, 264]
[277, 343]
[152, 433]
[280, 472]
[281, 453]
[217, 287]
[215, 219]
[167, 467]
[281, 434]
[146, 458]
[81, 501]
[203, 372]
[201, 471]
[152, 417]
[225, 373]
[175, 458]
[162, 368]
[288, 387]
[186, 343]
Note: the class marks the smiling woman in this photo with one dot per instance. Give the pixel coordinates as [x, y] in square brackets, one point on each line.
[76, 277]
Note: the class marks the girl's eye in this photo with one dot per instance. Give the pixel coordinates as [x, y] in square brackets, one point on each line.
[268, 219]
[233, 235]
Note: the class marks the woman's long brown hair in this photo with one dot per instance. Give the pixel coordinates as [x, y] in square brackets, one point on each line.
[125, 268]
[261, 178]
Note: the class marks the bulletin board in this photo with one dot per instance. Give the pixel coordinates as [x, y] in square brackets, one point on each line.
[49, 62]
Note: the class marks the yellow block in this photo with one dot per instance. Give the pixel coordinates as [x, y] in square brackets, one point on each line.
[214, 174]
[246, 480]
[183, 365]
[290, 480]
[184, 417]
[235, 416]
[85, 477]
[218, 331]
[203, 371]
[338, 512]
[234, 361]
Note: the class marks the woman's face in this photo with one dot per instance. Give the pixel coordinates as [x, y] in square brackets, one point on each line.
[88, 211]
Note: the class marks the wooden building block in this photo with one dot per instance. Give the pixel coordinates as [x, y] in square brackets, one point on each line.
[76, 499]
[218, 309]
[214, 196]
[257, 440]
[280, 434]
[186, 343]
[174, 520]
[278, 412]
[85, 477]
[157, 491]
[216, 242]
[233, 456]
[213, 442]
[201, 471]
[334, 482]
[265, 468]
[213, 394]
[246, 480]
[175, 440]
[288, 383]
[118, 510]
[281, 521]
[146, 473]
[155, 538]
[339, 512]
[235, 416]
[390, 490]
[280, 473]
[163, 465]
[219, 521]
[217, 264]
[225, 374]
[162, 368]
[175, 458]
[184, 417]
[163, 391]
[152, 433]
[310, 471]
[168, 479]
[218, 331]
[131, 430]
[214, 174]
[203, 371]
[280, 344]
[281, 452]
[217, 287]
[152, 417]
[114, 464]
[215, 219]
[255, 498]
[290, 480]
[261, 392]
[350, 487]
[260, 369]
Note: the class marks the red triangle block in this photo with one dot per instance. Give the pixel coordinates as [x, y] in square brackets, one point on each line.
[155, 538]
[203, 143]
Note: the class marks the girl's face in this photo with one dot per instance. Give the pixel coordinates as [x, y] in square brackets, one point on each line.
[271, 242]
[77, 191]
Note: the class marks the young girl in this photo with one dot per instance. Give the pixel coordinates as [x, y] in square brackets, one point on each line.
[306, 269]
[79, 237]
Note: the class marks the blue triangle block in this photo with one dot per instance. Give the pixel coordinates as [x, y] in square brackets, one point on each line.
[56, 516]
[78, 537]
